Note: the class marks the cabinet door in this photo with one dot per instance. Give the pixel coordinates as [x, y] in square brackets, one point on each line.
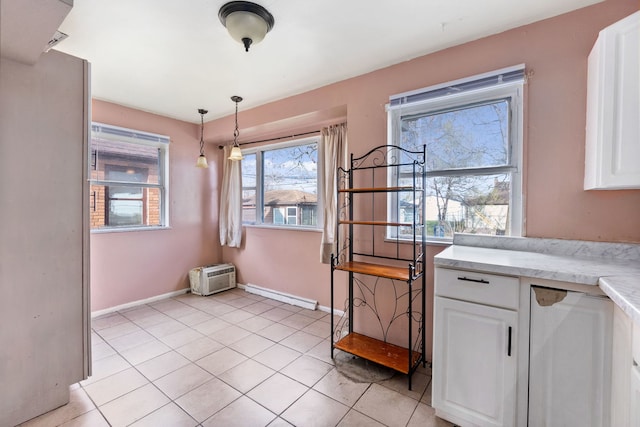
[621, 360]
[635, 396]
[474, 363]
[613, 108]
[569, 359]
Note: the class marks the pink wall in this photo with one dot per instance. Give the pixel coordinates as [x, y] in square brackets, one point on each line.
[130, 266]
[555, 52]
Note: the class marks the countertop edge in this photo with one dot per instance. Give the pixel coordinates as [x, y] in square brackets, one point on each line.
[617, 288]
[621, 284]
[519, 271]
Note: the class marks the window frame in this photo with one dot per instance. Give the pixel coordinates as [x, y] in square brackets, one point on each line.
[514, 92]
[259, 185]
[134, 137]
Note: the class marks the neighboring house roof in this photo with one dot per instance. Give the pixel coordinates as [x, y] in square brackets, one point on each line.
[107, 148]
[286, 197]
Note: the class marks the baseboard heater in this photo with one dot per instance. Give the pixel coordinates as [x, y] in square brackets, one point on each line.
[281, 296]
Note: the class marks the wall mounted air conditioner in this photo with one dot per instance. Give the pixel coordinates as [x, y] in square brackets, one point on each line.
[213, 278]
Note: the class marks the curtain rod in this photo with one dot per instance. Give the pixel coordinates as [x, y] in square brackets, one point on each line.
[276, 139]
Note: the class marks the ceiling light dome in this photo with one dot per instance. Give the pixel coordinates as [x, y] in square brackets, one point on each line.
[246, 22]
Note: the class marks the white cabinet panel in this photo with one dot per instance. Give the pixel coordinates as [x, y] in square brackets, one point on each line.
[474, 363]
[483, 288]
[570, 359]
[635, 396]
[621, 361]
[613, 108]
[44, 250]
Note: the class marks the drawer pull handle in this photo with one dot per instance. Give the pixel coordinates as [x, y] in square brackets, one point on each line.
[509, 343]
[466, 279]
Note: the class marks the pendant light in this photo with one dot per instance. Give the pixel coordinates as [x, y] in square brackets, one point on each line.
[202, 160]
[246, 22]
[236, 154]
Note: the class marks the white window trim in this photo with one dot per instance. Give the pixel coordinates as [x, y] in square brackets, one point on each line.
[513, 90]
[260, 187]
[141, 138]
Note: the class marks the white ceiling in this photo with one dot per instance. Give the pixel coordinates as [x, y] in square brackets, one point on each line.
[172, 57]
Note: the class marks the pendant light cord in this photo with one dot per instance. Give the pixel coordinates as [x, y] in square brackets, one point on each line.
[236, 132]
[201, 134]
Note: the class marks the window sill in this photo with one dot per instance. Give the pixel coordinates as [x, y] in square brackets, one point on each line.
[127, 229]
[282, 227]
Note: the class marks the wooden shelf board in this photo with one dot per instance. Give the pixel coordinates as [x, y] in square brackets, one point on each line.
[390, 224]
[377, 189]
[387, 271]
[385, 354]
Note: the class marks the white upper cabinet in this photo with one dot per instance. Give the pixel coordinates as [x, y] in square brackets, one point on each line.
[612, 159]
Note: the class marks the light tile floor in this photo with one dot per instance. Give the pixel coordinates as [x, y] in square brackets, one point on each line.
[230, 359]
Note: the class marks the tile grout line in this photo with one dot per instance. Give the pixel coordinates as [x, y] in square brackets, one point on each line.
[312, 320]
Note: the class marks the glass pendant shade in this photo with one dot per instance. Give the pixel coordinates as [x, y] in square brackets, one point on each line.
[202, 162]
[236, 154]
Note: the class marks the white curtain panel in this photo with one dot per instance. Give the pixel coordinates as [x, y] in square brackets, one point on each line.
[332, 151]
[231, 202]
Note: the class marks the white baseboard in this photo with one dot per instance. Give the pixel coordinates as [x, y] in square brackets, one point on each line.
[139, 302]
[281, 296]
[267, 293]
[322, 308]
[328, 310]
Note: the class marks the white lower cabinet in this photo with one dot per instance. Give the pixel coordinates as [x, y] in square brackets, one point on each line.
[474, 349]
[513, 351]
[621, 363]
[633, 391]
[569, 359]
[635, 396]
[474, 370]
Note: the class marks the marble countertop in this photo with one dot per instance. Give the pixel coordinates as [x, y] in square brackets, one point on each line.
[615, 267]
[625, 292]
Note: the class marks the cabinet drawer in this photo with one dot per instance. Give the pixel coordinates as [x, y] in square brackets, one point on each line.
[483, 288]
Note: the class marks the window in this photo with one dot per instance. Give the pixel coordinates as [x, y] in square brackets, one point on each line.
[472, 130]
[280, 184]
[128, 178]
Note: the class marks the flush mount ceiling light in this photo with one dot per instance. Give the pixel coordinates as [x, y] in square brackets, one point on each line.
[202, 160]
[236, 154]
[246, 22]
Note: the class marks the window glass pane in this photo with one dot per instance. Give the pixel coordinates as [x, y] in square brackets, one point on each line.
[249, 211]
[127, 181]
[477, 204]
[123, 161]
[289, 180]
[473, 145]
[249, 206]
[126, 173]
[292, 216]
[248, 170]
[470, 137]
[125, 212]
[118, 192]
[120, 206]
[309, 215]
[277, 214]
